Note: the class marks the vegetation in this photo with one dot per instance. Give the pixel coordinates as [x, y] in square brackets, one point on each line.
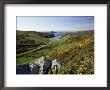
[74, 51]
[29, 40]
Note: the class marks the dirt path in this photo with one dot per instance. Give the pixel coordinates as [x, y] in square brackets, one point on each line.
[40, 47]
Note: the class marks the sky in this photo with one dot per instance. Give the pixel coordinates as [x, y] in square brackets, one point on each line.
[54, 23]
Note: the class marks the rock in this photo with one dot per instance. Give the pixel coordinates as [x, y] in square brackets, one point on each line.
[45, 70]
[40, 71]
[40, 61]
[23, 69]
[34, 68]
[45, 64]
[40, 66]
[55, 66]
[48, 63]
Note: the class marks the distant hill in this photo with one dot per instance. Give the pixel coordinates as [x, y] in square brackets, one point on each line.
[28, 40]
[77, 36]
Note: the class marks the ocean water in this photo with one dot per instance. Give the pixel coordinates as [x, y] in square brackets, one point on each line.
[58, 35]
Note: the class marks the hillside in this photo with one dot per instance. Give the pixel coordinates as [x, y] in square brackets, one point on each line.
[75, 51]
[29, 40]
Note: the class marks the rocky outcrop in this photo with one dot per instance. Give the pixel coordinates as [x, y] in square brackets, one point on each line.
[34, 68]
[55, 66]
[45, 64]
[23, 69]
[40, 66]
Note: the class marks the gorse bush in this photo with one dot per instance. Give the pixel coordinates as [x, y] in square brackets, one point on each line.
[76, 56]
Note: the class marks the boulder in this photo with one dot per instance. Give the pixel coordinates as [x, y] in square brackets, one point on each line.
[23, 69]
[55, 66]
[34, 68]
[40, 66]
[45, 64]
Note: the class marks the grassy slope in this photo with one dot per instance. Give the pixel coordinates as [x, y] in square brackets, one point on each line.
[28, 40]
[75, 52]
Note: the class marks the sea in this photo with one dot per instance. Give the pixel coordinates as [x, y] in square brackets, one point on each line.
[58, 35]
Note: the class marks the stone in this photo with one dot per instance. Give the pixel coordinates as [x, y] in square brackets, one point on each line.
[55, 66]
[40, 66]
[23, 69]
[45, 64]
[34, 68]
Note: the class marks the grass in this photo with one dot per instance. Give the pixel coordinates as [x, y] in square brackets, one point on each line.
[74, 51]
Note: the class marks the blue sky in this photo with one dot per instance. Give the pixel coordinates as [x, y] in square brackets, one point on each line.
[55, 23]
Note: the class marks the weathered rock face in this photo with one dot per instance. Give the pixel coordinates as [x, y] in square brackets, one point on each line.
[23, 69]
[55, 66]
[40, 66]
[40, 61]
[34, 68]
[44, 64]
[47, 64]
